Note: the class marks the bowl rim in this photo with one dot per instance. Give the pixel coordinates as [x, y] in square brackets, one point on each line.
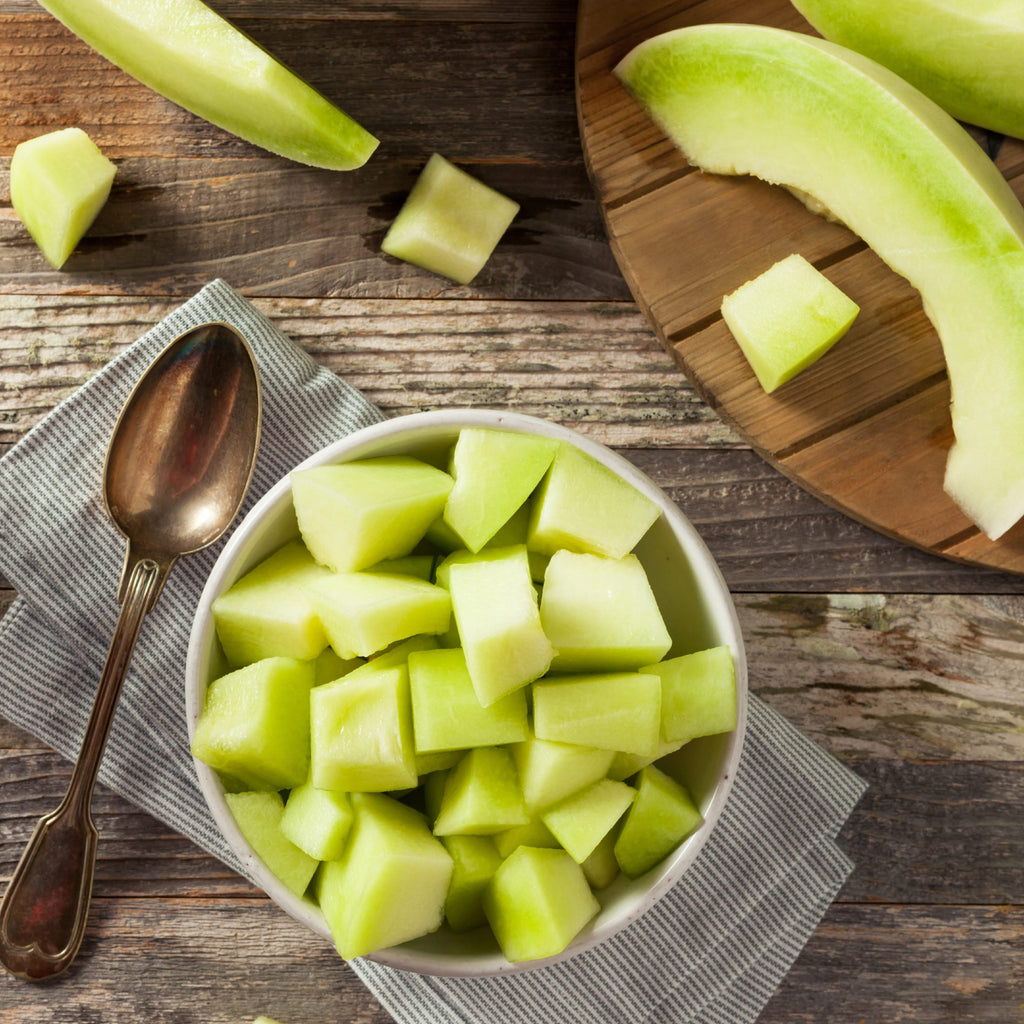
[717, 599]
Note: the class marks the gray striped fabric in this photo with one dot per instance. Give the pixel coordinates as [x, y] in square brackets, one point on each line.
[713, 950]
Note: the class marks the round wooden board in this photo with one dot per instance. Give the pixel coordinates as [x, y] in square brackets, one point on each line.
[867, 427]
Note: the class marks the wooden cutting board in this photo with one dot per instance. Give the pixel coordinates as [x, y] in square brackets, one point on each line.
[867, 427]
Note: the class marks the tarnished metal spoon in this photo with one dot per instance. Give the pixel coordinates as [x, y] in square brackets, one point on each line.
[178, 466]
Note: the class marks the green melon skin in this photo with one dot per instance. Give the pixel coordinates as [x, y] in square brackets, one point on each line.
[894, 167]
[191, 55]
[965, 56]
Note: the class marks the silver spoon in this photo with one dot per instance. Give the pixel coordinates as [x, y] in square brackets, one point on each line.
[178, 466]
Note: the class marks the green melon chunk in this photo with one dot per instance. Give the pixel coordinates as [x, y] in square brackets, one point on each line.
[364, 612]
[495, 609]
[550, 771]
[698, 694]
[601, 614]
[626, 765]
[786, 319]
[432, 788]
[481, 795]
[194, 57]
[475, 860]
[614, 711]
[436, 761]
[491, 552]
[359, 513]
[258, 816]
[537, 903]
[442, 536]
[329, 666]
[392, 882]
[397, 656]
[450, 223]
[59, 183]
[446, 714]
[495, 471]
[533, 833]
[317, 821]
[420, 566]
[661, 817]
[582, 820]
[254, 725]
[601, 867]
[583, 506]
[268, 611]
[361, 732]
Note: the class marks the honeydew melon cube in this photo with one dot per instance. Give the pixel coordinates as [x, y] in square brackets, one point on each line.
[495, 471]
[329, 666]
[390, 886]
[254, 725]
[698, 694]
[481, 795]
[450, 223]
[361, 732]
[786, 319]
[549, 771]
[514, 530]
[420, 566]
[662, 816]
[537, 903]
[601, 614]
[436, 761]
[317, 821]
[397, 655]
[614, 711]
[442, 536]
[491, 552]
[475, 860]
[258, 815]
[364, 612]
[582, 820]
[495, 609]
[625, 765]
[432, 788]
[268, 612]
[446, 714]
[533, 833]
[59, 183]
[353, 515]
[601, 867]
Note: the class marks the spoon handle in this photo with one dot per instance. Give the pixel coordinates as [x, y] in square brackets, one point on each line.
[44, 910]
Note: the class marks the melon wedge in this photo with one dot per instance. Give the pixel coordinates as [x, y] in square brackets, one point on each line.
[852, 138]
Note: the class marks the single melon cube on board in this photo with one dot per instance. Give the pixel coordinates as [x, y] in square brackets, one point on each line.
[698, 694]
[549, 771]
[59, 183]
[391, 884]
[787, 318]
[268, 611]
[254, 725]
[495, 471]
[475, 860]
[258, 816]
[583, 506]
[582, 820]
[359, 513]
[614, 711]
[533, 833]
[601, 614]
[495, 610]
[481, 795]
[537, 903]
[317, 821]
[601, 867]
[662, 816]
[450, 223]
[446, 714]
[361, 732]
[364, 612]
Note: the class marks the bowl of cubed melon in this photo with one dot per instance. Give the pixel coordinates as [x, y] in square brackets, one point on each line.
[466, 693]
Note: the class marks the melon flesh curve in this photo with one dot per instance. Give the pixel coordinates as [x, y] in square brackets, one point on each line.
[854, 139]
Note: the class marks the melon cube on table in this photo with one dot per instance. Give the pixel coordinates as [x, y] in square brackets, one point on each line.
[317, 821]
[601, 614]
[361, 732]
[254, 725]
[481, 795]
[601, 867]
[537, 903]
[446, 714]
[549, 771]
[495, 471]
[583, 506]
[391, 884]
[495, 609]
[613, 710]
[662, 816]
[533, 833]
[582, 820]
[475, 860]
[268, 612]
[353, 515]
[364, 612]
[698, 694]
[258, 815]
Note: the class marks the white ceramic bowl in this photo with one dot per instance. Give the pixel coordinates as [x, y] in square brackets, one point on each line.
[694, 601]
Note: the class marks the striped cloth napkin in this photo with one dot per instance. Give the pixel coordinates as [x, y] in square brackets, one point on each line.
[714, 949]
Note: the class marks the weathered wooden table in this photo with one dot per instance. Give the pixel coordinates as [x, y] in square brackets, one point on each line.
[903, 665]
